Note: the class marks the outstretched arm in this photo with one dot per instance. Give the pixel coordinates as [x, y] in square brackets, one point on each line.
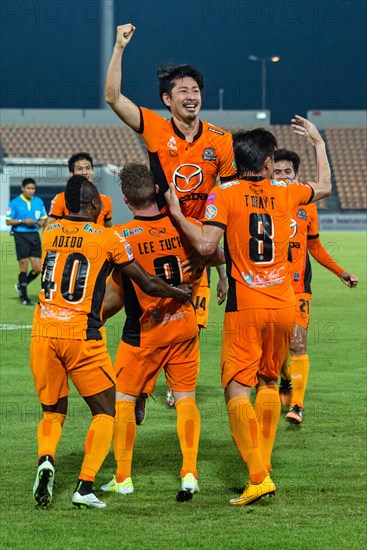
[322, 185]
[318, 252]
[123, 107]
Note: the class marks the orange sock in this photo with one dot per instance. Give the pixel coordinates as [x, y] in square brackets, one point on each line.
[49, 433]
[267, 406]
[299, 369]
[245, 432]
[188, 431]
[96, 446]
[124, 433]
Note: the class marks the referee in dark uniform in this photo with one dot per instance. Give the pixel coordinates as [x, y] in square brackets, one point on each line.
[26, 214]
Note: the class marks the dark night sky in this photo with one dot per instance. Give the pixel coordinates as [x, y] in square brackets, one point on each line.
[50, 52]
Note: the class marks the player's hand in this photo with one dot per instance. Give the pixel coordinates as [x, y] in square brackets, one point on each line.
[172, 201]
[194, 263]
[124, 34]
[307, 129]
[221, 291]
[184, 293]
[349, 279]
[29, 221]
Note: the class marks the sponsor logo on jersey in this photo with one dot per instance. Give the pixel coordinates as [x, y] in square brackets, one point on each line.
[70, 230]
[215, 130]
[130, 232]
[171, 144]
[278, 183]
[209, 154]
[229, 184]
[302, 214]
[53, 226]
[264, 278]
[256, 190]
[87, 227]
[187, 177]
[128, 250]
[211, 211]
[158, 231]
[294, 228]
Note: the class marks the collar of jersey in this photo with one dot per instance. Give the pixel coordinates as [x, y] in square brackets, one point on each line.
[78, 219]
[151, 218]
[182, 136]
[253, 178]
[25, 198]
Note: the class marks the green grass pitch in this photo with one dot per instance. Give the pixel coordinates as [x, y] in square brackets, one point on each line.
[319, 468]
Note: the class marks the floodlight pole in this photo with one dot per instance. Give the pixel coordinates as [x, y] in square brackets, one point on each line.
[263, 60]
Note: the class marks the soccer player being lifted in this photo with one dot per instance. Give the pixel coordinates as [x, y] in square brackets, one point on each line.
[184, 150]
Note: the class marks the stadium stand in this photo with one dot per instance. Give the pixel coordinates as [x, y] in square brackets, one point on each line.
[348, 155]
[107, 144]
[288, 140]
[111, 144]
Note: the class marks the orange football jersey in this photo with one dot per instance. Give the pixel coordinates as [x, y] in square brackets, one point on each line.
[153, 321]
[191, 167]
[77, 256]
[58, 208]
[255, 215]
[305, 238]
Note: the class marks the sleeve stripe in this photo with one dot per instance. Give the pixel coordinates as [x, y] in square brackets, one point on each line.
[310, 237]
[312, 195]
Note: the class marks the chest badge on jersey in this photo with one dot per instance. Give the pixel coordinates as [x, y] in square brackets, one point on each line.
[171, 144]
[209, 154]
[187, 177]
[302, 214]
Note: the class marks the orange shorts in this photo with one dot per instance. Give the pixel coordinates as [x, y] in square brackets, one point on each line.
[303, 308]
[86, 361]
[137, 368]
[255, 341]
[201, 303]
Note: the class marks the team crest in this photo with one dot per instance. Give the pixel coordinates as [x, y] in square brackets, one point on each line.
[209, 154]
[302, 214]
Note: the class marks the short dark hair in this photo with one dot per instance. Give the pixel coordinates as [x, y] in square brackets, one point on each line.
[26, 181]
[251, 148]
[137, 184]
[79, 156]
[79, 190]
[169, 74]
[289, 156]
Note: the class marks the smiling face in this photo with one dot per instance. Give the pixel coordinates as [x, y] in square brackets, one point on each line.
[283, 170]
[185, 99]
